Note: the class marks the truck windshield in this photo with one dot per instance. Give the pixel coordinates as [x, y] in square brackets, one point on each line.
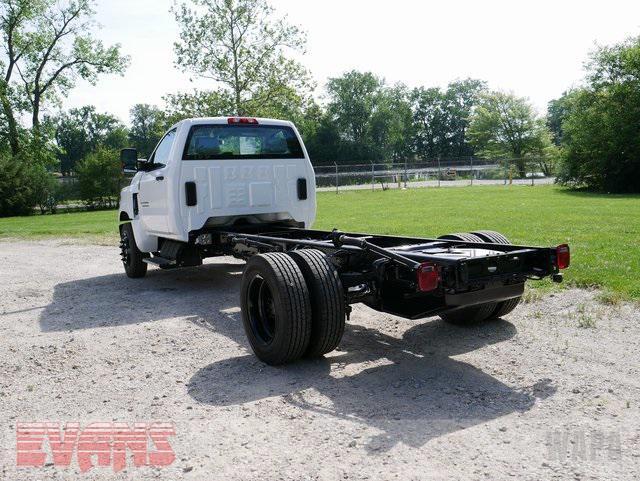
[210, 142]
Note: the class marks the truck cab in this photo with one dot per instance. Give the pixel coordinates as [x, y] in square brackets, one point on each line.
[218, 172]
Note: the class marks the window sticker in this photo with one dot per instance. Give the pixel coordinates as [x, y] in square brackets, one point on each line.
[249, 145]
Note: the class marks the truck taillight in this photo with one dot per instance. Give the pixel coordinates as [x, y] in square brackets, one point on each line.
[242, 120]
[563, 256]
[428, 277]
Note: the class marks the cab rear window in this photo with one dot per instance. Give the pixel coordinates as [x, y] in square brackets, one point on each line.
[211, 142]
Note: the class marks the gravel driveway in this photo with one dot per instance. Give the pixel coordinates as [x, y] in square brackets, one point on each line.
[550, 392]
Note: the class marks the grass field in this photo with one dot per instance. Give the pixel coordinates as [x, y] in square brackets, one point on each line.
[99, 226]
[603, 230]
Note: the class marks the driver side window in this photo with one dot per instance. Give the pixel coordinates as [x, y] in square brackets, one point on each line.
[161, 155]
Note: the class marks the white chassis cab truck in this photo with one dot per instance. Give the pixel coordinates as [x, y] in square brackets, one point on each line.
[245, 187]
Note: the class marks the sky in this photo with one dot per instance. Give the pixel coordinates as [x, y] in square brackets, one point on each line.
[535, 49]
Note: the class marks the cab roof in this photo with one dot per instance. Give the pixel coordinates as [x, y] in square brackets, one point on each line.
[225, 120]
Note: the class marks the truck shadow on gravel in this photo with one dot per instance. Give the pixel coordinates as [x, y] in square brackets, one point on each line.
[408, 387]
[115, 300]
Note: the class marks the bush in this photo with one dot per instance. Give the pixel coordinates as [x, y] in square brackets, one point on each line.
[601, 130]
[24, 185]
[602, 141]
[47, 190]
[16, 187]
[99, 178]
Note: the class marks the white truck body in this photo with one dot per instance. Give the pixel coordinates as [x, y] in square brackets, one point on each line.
[248, 186]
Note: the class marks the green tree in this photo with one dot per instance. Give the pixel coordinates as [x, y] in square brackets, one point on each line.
[390, 125]
[199, 103]
[601, 130]
[506, 126]
[49, 45]
[84, 130]
[352, 103]
[24, 178]
[461, 97]
[148, 125]
[15, 16]
[321, 136]
[47, 190]
[441, 118]
[16, 194]
[241, 46]
[557, 111]
[99, 178]
[429, 123]
[365, 120]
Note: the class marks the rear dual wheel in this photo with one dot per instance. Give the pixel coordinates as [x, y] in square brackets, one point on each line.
[292, 306]
[481, 312]
[327, 300]
[492, 237]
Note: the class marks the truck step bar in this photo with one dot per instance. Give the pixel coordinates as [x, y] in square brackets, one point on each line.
[160, 261]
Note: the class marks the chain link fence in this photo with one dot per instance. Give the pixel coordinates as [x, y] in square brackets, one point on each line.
[372, 176]
[432, 173]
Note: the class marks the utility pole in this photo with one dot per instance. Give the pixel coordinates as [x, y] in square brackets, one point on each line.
[373, 176]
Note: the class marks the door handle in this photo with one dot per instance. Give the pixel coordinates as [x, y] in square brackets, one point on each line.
[160, 178]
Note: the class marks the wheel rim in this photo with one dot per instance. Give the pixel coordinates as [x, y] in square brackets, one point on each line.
[125, 248]
[262, 312]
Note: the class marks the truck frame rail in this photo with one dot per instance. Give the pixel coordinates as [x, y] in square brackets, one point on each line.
[411, 277]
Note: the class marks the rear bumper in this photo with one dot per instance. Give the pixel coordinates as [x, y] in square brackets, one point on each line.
[488, 294]
[419, 307]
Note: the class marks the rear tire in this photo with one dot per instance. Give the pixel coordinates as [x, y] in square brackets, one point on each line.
[505, 307]
[276, 309]
[132, 257]
[327, 300]
[462, 236]
[491, 237]
[468, 316]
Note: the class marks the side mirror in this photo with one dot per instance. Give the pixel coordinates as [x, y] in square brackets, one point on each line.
[144, 165]
[129, 160]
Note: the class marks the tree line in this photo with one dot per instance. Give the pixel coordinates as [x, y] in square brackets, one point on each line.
[589, 137]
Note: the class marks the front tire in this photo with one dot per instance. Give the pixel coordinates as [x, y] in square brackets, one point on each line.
[276, 309]
[132, 257]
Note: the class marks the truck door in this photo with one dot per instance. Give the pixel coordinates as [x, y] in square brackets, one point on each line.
[152, 195]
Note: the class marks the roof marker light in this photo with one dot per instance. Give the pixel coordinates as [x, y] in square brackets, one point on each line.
[242, 121]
